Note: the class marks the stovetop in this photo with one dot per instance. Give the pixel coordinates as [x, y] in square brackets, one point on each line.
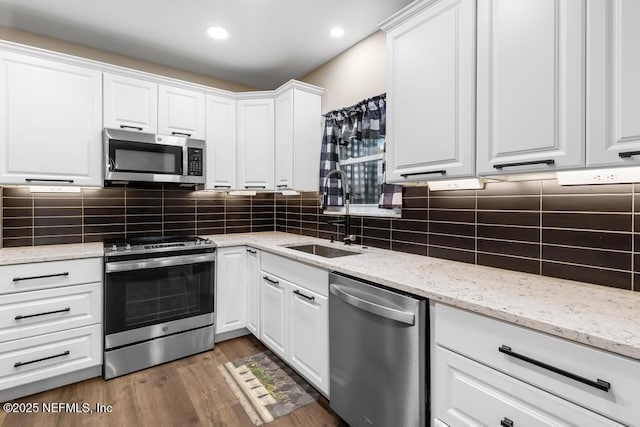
[154, 244]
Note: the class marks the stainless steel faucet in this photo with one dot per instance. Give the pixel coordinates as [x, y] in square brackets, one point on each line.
[348, 237]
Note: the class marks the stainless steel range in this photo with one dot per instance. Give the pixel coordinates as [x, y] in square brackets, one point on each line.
[158, 301]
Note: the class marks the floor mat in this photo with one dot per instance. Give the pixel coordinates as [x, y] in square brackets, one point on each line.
[266, 387]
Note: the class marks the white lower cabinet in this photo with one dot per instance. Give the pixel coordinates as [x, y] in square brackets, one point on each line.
[489, 372]
[231, 289]
[50, 325]
[295, 316]
[253, 291]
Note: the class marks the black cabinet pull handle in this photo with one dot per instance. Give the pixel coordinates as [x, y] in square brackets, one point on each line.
[131, 127]
[18, 364]
[599, 384]
[297, 292]
[188, 135]
[222, 186]
[282, 186]
[70, 181]
[627, 154]
[270, 280]
[506, 422]
[64, 310]
[252, 252]
[46, 276]
[547, 162]
[255, 186]
[440, 172]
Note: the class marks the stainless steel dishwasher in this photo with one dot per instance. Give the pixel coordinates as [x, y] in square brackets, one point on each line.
[378, 354]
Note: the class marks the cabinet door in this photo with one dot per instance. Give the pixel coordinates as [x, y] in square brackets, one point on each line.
[273, 314]
[221, 143]
[253, 291]
[309, 335]
[231, 289]
[130, 104]
[613, 82]
[531, 77]
[466, 393]
[284, 140]
[181, 112]
[50, 122]
[256, 144]
[431, 94]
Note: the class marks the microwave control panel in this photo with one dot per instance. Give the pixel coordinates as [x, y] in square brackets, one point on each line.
[194, 161]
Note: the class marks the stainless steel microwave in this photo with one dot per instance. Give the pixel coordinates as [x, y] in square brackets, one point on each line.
[142, 157]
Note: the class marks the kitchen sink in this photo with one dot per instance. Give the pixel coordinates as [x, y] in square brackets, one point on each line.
[323, 251]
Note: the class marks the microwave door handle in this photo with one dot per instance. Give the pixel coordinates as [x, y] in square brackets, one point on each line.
[143, 264]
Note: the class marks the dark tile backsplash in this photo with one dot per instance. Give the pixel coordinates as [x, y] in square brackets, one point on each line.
[94, 215]
[585, 233]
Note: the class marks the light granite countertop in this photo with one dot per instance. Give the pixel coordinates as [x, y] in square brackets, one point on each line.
[598, 316]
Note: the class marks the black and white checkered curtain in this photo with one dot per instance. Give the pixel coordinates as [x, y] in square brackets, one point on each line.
[365, 120]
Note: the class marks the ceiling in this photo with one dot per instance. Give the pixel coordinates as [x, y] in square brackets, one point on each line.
[270, 42]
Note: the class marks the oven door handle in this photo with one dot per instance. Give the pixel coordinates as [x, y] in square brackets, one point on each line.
[142, 264]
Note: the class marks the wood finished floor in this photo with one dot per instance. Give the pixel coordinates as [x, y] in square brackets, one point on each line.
[187, 392]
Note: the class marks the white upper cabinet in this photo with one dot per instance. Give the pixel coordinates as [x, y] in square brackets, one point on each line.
[431, 91]
[221, 143]
[298, 138]
[50, 122]
[181, 112]
[531, 80]
[256, 144]
[130, 104]
[613, 82]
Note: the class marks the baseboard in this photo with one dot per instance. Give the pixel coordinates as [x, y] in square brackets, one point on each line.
[232, 334]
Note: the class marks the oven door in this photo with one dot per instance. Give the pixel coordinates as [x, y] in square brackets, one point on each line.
[153, 297]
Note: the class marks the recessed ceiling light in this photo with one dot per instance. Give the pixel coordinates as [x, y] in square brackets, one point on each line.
[217, 33]
[336, 32]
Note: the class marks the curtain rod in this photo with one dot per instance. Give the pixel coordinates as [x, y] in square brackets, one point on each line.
[356, 105]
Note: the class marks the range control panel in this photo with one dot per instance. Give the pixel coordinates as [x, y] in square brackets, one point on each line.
[194, 161]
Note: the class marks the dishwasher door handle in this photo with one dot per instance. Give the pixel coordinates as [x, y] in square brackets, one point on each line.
[372, 307]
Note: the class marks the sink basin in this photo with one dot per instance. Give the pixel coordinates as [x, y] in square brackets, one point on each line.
[323, 251]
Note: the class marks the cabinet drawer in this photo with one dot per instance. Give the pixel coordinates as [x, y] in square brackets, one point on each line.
[480, 338]
[312, 278]
[42, 275]
[27, 314]
[46, 356]
[478, 395]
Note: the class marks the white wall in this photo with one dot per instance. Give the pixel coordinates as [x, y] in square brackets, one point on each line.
[357, 73]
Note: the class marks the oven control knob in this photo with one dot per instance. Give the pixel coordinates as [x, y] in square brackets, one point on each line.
[207, 241]
[127, 247]
[198, 242]
[114, 248]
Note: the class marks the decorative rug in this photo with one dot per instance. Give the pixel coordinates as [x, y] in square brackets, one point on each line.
[266, 387]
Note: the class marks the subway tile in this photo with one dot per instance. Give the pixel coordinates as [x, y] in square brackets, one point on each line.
[525, 234]
[39, 202]
[531, 219]
[57, 212]
[418, 191]
[509, 263]
[616, 279]
[591, 257]
[237, 223]
[17, 232]
[154, 228]
[15, 202]
[408, 236]
[17, 222]
[589, 239]
[57, 240]
[528, 250]
[587, 203]
[103, 229]
[56, 221]
[136, 219]
[235, 216]
[510, 189]
[411, 248]
[520, 203]
[184, 209]
[452, 202]
[205, 231]
[258, 228]
[238, 229]
[17, 212]
[377, 233]
[456, 242]
[103, 211]
[210, 210]
[14, 243]
[404, 224]
[459, 229]
[17, 192]
[587, 221]
[309, 232]
[376, 243]
[115, 219]
[418, 203]
[451, 254]
[452, 216]
[370, 222]
[452, 193]
[157, 210]
[91, 238]
[419, 214]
